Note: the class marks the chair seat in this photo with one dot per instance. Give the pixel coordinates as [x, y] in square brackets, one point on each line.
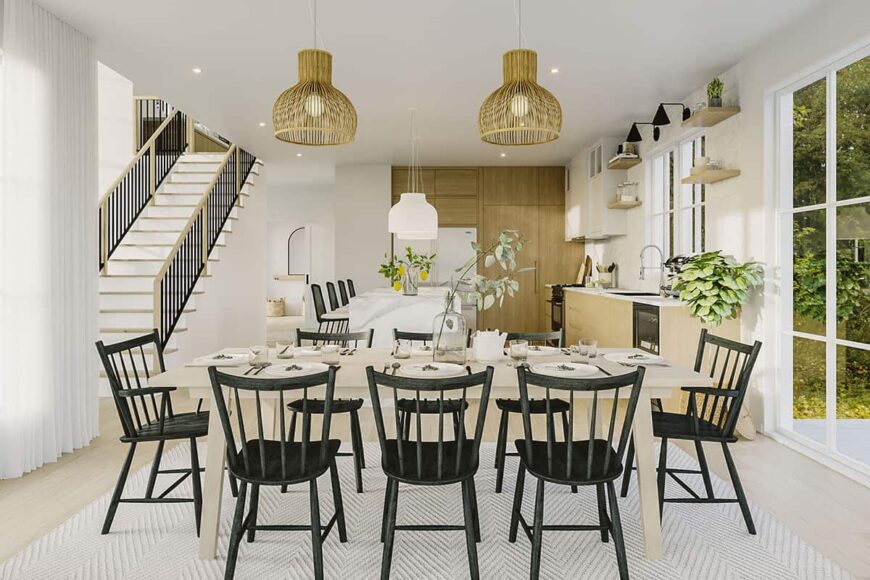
[179, 426]
[296, 470]
[536, 406]
[557, 472]
[316, 405]
[429, 451]
[430, 406]
[682, 426]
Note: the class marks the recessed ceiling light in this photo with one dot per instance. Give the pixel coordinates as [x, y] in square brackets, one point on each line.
[298, 155]
[197, 70]
[262, 124]
[554, 71]
[502, 154]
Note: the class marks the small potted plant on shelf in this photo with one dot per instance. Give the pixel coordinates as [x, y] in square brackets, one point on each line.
[405, 274]
[714, 92]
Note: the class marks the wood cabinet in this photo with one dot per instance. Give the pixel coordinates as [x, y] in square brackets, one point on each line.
[456, 211]
[551, 186]
[452, 191]
[400, 183]
[456, 182]
[607, 320]
[510, 185]
[558, 262]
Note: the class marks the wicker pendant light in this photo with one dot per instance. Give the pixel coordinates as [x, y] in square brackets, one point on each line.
[520, 112]
[313, 112]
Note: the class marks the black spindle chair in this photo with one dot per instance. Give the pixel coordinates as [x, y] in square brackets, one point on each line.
[258, 461]
[429, 462]
[711, 416]
[339, 323]
[508, 406]
[351, 289]
[342, 293]
[339, 406]
[573, 462]
[146, 415]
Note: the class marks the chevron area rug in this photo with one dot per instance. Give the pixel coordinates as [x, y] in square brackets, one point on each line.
[159, 542]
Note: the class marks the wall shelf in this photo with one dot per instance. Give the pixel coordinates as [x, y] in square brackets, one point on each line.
[709, 116]
[621, 162]
[710, 176]
[623, 204]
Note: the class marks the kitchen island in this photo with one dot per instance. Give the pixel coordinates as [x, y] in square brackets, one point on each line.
[384, 309]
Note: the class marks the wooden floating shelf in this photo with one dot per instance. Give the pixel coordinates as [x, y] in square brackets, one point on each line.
[623, 162]
[623, 204]
[709, 116]
[710, 176]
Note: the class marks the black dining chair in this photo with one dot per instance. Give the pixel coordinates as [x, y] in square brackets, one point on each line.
[326, 321]
[711, 416]
[351, 289]
[407, 407]
[429, 462]
[340, 323]
[342, 293]
[146, 415]
[339, 406]
[508, 406]
[573, 462]
[258, 461]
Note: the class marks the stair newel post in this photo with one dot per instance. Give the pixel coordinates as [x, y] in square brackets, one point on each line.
[238, 173]
[158, 306]
[104, 233]
[204, 221]
[152, 169]
[190, 135]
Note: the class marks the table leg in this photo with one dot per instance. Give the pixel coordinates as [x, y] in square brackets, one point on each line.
[212, 492]
[646, 478]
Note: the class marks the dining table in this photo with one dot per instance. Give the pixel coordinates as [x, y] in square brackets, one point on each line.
[661, 381]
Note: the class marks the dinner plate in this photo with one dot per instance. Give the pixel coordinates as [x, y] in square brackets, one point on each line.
[223, 359]
[295, 369]
[634, 358]
[567, 370]
[431, 370]
[535, 350]
[307, 351]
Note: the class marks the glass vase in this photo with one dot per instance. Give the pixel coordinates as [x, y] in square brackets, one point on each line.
[410, 282]
[449, 337]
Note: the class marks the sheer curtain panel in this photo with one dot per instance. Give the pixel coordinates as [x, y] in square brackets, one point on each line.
[48, 235]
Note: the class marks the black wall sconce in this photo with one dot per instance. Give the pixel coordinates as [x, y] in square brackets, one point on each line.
[634, 133]
[661, 118]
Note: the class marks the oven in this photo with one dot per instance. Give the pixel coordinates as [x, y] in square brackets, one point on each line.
[557, 305]
[645, 327]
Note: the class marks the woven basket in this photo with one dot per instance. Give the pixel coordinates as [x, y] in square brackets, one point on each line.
[274, 308]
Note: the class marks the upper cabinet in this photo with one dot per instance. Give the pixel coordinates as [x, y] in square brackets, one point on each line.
[551, 185]
[592, 187]
[402, 185]
[456, 182]
[510, 185]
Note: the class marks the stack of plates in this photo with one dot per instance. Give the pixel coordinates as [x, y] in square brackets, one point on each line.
[566, 370]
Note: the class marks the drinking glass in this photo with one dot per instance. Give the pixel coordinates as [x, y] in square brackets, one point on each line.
[329, 354]
[284, 349]
[261, 355]
[402, 349]
[519, 350]
[578, 356]
[591, 347]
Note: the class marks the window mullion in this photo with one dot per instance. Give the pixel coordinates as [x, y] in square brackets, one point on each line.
[831, 261]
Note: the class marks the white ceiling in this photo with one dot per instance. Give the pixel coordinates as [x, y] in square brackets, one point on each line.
[617, 61]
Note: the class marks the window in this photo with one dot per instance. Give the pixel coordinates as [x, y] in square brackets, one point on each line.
[823, 127]
[676, 211]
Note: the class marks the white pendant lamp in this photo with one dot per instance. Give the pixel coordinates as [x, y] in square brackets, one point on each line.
[413, 218]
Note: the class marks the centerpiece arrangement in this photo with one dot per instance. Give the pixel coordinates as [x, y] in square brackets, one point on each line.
[715, 287]
[405, 274]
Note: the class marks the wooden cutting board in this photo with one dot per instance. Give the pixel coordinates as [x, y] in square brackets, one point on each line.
[585, 270]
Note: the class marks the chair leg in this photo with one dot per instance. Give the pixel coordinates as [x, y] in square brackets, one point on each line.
[119, 489]
[356, 444]
[390, 530]
[537, 532]
[500, 450]
[196, 480]
[471, 533]
[236, 534]
[359, 439]
[705, 472]
[316, 547]
[738, 489]
[629, 467]
[234, 484]
[338, 502]
[566, 433]
[387, 492]
[253, 508]
[602, 511]
[616, 528]
[155, 467]
[518, 502]
[475, 515]
[663, 474]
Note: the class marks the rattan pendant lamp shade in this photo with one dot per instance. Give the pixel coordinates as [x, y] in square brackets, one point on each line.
[313, 112]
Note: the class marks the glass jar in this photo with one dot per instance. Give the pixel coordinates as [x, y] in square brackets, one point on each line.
[410, 282]
[449, 337]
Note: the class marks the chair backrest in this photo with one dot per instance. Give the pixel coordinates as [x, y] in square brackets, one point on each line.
[333, 299]
[319, 304]
[351, 289]
[424, 337]
[554, 338]
[729, 363]
[248, 454]
[448, 461]
[604, 390]
[342, 293]
[126, 367]
[360, 339]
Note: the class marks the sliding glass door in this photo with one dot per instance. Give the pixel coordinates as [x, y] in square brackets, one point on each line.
[824, 218]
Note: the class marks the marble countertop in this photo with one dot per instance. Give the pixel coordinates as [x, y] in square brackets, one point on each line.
[620, 294]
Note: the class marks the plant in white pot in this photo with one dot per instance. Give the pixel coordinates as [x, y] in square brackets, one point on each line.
[715, 287]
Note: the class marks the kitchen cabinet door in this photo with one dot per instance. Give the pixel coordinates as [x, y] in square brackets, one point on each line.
[520, 313]
[459, 182]
[551, 186]
[510, 185]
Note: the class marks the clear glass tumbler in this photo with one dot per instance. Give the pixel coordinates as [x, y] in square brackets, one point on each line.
[519, 350]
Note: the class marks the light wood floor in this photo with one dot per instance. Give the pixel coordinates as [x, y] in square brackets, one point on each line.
[828, 510]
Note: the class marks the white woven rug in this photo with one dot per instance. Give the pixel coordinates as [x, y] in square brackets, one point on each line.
[158, 541]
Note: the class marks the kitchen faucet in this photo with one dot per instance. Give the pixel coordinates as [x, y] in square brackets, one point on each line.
[661, 266]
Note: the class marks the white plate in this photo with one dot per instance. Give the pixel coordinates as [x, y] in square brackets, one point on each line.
[219, 359]
[634, 358]
[307, 351]
[440, 371]
[544, 350]
[559, 369]
[280, 370]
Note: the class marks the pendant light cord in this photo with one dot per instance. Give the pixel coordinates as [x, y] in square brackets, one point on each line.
[312, 15]
[415, 177]
[518, 16]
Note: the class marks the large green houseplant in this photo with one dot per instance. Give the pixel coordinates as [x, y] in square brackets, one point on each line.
[715, 287]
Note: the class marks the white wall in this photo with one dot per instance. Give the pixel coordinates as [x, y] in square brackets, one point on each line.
[740, 214]
[115, 112]
[362, 205]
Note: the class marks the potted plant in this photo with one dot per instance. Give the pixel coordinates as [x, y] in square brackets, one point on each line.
[715, 287]
[714, 92]
[405, 274]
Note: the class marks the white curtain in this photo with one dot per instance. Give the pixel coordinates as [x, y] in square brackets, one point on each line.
[48, 235]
